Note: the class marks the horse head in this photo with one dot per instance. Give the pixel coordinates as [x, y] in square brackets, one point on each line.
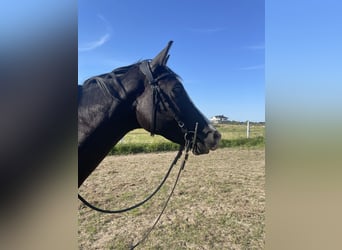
[165, 108]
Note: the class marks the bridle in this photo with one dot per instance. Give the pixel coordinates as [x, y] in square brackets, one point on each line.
[158, 96]
[190, 138]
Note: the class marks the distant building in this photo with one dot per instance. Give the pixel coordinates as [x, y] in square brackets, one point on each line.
[219, 119]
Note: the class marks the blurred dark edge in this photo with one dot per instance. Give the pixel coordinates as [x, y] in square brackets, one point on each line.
[38, 125]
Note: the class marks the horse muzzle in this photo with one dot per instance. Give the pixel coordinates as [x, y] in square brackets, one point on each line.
[210, 141]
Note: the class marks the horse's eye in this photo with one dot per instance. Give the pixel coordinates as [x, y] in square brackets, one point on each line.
[178, 89]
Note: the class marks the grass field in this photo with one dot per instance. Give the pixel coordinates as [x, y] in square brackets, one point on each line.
[219, 202]
[230, 131]
[140, 141]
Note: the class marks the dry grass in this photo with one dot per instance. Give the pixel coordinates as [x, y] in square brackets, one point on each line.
[219, 202]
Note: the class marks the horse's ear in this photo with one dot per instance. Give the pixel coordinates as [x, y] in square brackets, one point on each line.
[162, 57]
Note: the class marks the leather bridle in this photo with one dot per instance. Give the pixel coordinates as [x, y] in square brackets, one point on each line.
[158, 96]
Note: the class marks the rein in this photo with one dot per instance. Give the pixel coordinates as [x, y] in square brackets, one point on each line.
[187, 148]
[85, 202]
[190, 140]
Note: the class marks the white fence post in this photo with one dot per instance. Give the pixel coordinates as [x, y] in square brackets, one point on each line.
[247, 129]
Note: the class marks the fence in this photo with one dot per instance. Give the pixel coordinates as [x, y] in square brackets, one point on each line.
[231, 131]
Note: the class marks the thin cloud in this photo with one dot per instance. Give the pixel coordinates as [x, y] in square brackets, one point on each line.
[206, 30]
[256, 47]
[253, 67]
[99, 42]
[104, 20]
[95, 44]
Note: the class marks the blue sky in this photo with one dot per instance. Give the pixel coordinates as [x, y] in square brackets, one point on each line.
[218, 47]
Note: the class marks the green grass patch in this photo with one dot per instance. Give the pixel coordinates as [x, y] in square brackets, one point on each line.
[243, 142]
[134, 148]
[140, 141]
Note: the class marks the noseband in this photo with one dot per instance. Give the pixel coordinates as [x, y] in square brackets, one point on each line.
[158, 96]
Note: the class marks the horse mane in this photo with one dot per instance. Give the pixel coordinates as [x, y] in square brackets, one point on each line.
[117, 73]
[114, 74]
[105, 81]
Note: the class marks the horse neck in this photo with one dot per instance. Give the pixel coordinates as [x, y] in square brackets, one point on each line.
[101, 125]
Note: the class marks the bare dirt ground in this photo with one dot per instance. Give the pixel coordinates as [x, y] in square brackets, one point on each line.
[219, 202]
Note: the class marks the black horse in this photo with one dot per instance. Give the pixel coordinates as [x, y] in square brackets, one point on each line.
[145, 95]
